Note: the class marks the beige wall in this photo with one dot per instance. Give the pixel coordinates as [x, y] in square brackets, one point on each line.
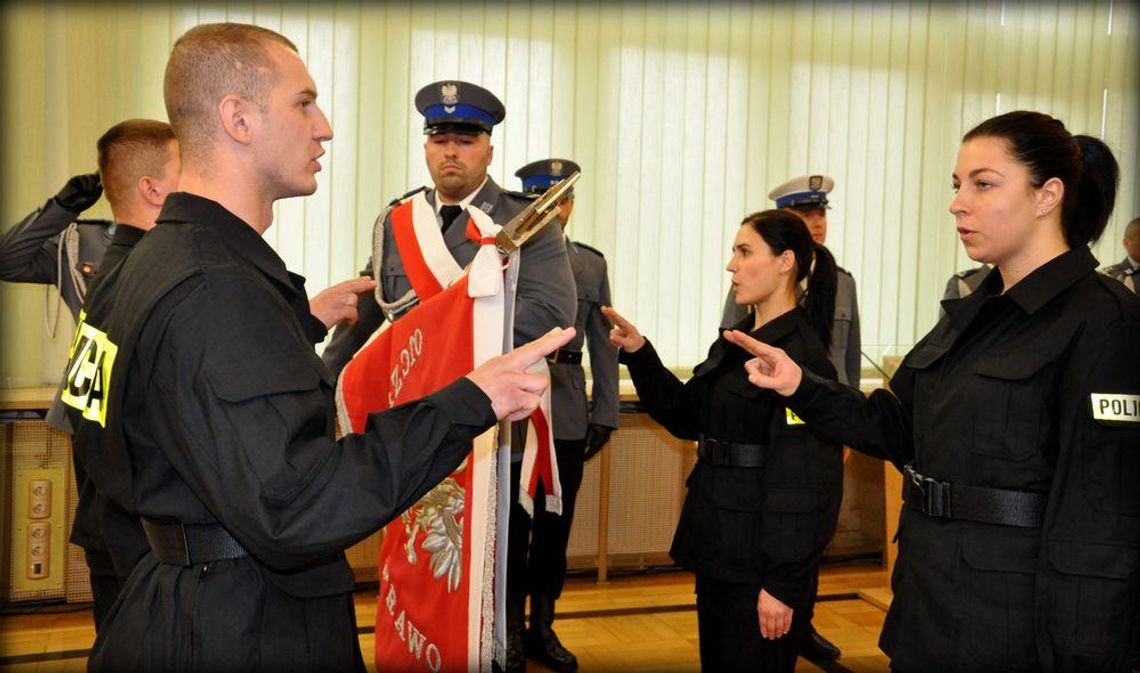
[683, 118]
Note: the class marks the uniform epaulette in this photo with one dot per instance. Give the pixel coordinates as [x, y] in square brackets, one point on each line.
[405, 197]
[593, 250]
[842, 270]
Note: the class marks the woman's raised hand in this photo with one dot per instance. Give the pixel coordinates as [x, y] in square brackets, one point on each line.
[771, 367]
[624, 335]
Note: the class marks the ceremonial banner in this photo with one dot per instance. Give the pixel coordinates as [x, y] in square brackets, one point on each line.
[439, 590]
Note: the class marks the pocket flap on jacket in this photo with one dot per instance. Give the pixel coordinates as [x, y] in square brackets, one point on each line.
[999, 549]
[790, 500]
[240, 381]
[1095, 559]
[924, 356]
[1012, 366]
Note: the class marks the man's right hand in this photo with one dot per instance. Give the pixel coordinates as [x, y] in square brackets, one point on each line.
[514, 393]
[80, 193]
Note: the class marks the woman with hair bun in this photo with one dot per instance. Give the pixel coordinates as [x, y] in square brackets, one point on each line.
[764, 495]
[1015, 421]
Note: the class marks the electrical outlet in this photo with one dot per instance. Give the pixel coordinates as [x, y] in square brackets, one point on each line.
[39, 551]
[39, 499]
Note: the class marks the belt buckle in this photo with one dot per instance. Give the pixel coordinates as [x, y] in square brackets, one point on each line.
[935, 496]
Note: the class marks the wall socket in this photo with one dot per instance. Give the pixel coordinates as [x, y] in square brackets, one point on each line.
[39, 550]
[39, 499]
[38, 537]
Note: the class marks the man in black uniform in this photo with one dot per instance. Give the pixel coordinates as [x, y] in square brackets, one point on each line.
[138, 167]
[537, 565]
[194, 372]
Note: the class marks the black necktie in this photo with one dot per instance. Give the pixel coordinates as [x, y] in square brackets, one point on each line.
[449, 213]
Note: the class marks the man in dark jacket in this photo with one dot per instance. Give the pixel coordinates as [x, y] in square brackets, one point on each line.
[195, 376]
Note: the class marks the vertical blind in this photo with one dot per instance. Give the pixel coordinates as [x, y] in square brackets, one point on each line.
[683, 117]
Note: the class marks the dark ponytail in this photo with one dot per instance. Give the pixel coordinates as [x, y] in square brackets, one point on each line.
[1100, 178]
[783, 230]
[820, 298]
[1084, 164]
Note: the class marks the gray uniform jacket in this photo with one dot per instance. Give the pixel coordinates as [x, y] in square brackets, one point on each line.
[545, 297]
[1125, 273]
[28, 251]
[567, 381]
[846, 342]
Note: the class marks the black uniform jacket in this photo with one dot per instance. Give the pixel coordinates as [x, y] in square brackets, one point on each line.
[220, 411]
[767, 525]
[1005, 392]
[100, 524]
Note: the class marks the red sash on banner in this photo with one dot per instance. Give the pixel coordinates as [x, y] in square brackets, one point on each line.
[424, 620]
[437, 562]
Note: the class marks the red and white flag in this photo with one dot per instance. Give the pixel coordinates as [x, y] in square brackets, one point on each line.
[439, 560]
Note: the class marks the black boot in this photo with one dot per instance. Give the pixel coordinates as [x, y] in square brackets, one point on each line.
[516, 627]
[817, 648]
[542, 643]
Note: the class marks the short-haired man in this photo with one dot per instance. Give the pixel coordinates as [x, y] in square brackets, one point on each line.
[1128, 268]
[196, 371]
[138, 166]
[458, 120]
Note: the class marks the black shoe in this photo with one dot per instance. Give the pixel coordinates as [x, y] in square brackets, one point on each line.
[816, 646]
[516, 653]
[542, 643]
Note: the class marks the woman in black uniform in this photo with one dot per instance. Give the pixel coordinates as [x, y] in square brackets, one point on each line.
[764, 495]
[1015, 422]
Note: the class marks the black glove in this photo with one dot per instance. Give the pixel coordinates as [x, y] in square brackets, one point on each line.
[80, 193]
[596, 437]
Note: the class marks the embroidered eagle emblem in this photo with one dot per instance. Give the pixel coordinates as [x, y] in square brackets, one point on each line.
[439, 514]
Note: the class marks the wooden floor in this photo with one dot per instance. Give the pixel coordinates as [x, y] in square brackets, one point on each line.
[640, 623]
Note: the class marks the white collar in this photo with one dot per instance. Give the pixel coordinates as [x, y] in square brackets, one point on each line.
[466, 200]
[1134, 263]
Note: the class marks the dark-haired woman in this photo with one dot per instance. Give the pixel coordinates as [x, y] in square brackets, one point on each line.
[764, 495]
[1015, 422]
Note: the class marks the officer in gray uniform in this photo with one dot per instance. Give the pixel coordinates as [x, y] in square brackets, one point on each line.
[1128, 268]
[51, 246]
[537, 551]
[458, 119]
[806, 195]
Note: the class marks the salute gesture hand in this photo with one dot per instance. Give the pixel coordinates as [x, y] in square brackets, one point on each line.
[624, 335]
[514, 392]
[771, 368]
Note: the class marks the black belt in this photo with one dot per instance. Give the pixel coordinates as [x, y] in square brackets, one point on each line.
[565, 357]
[731, 454]
[182, 544]
[943, 500]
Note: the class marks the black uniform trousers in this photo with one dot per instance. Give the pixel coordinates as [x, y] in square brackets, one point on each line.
[536, 550]
[105, 584]
[729, 629]
[226, 615]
